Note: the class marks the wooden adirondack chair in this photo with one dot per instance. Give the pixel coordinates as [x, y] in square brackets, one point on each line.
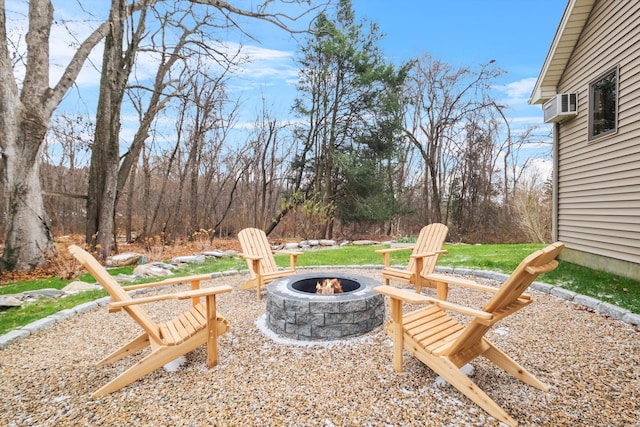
[262, 266]
[422, 261]
[199, 325]
[445, 345]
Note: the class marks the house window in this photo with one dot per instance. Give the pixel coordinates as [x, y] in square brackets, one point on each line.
[603, 96]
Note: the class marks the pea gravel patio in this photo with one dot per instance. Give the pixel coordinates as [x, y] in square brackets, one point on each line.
[591, 362]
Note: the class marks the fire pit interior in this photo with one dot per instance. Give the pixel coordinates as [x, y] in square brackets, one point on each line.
[323, 306]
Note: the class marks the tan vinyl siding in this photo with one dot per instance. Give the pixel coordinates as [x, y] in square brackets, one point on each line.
[599, 180]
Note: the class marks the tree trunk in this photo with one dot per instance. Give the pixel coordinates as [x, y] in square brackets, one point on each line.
[103, 172]
[25, 113]
[23, 124]
[105, 156]
[130, 201]
[29, 243]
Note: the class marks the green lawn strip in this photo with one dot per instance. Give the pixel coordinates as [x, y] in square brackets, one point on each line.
[617, 290]
[19, 316]
[15, 317]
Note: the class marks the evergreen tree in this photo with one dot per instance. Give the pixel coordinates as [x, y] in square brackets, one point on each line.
[349, 103]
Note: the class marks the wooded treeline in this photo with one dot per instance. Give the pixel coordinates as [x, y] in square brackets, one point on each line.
[376, 147]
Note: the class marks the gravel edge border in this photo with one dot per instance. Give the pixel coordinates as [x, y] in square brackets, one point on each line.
[599, 307]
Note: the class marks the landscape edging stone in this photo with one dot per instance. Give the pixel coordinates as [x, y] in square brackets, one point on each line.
[600, 307]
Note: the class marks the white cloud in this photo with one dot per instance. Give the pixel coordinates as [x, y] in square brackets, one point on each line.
[63, 43]
[519, 89]
[516, 94]
[263, 63]
[538, 170]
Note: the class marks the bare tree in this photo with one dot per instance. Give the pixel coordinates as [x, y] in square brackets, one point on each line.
[441, 99]
[26, 108]
[25, 113]
[532, 206]
[102, 188]
[473, 189]
[267, 173]
[64, 173]
[117, 64]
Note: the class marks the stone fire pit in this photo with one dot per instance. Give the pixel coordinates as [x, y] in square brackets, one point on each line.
[294, 309]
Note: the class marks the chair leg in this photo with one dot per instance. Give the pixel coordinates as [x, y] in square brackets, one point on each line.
[212, 332]
[128, 349]
[452, 374]
[249, 284]
[442, 291]
[512, 367]
[148, 364]
[397, 333]
[159, 357]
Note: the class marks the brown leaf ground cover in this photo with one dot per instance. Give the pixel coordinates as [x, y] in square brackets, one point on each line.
[63, 265]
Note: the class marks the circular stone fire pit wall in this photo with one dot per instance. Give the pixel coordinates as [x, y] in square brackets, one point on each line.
[295, 311]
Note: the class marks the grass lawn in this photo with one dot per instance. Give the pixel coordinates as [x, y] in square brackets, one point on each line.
[617, 290]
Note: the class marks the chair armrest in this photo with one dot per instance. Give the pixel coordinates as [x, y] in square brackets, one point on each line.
[386, 259]
[389, 250]
[250, 257]
[291, 253]
[428, 254]
[293, 257]
[414, 298]
[195, 293]
[170, 281]
[466, 283]
[401, 294]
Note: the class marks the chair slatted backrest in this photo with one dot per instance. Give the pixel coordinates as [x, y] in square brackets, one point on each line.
[115, 291]
[254, 243]
[530, 268]
[430, 239]
[507, 298]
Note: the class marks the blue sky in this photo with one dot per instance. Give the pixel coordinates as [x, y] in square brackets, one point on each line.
[515, 33]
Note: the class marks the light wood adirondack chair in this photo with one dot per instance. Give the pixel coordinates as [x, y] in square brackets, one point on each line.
[259, 255]
[445, 345]
[422, 261]
[199, 325]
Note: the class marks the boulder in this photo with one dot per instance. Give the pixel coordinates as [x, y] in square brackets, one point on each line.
[292, 245]
[123, 259]
[7, 301]
[152, 270]
[327, 242]
[188, 259]
[363, 242]
[214, 254]
[79, 286]
[120, 278]
[220, 254]
[49, 293]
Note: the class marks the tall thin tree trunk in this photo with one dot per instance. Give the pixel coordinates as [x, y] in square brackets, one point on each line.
[130, 200]
[103, 171]
[105, 156]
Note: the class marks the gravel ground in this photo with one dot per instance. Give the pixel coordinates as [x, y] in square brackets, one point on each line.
[592, 364]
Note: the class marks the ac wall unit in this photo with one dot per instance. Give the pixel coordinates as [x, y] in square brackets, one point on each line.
[561, 107]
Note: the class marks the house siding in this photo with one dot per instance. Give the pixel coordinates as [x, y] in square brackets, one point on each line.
[598, 182]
